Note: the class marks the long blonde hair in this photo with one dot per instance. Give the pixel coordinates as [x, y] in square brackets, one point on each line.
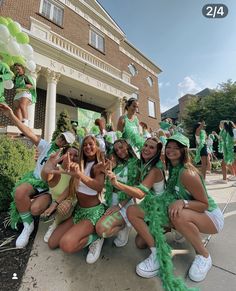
[82, 160]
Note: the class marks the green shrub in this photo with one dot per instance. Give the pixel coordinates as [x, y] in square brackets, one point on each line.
[16, 158]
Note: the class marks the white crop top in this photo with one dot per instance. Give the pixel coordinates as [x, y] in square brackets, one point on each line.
[82, 188]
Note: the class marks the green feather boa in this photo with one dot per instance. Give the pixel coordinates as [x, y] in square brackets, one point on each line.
[156, 215]
[200, 146]
[228, 147]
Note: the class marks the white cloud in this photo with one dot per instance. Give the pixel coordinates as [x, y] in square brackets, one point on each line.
[162, 85]
[189, 86]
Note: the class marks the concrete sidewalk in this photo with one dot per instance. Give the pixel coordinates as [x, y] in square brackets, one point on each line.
[115, 270]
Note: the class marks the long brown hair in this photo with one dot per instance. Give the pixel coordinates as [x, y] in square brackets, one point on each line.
[185, 158]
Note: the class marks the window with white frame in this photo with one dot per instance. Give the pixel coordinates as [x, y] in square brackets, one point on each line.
[97, 40]
[132, 69]
[150, 81]
[151, 108]
[52, 10]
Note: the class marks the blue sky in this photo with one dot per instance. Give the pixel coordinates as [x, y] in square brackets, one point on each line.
[193, 52]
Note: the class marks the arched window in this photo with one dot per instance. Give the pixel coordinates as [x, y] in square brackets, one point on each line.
[150, 81]
[132, 69]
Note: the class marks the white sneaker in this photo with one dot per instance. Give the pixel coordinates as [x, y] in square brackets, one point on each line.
[49, 232]
[148, 268]
[234, 184]
[23, 238]
[94, 251]
[122, 237]
[178, 237]
[232, 178]
[200, 268]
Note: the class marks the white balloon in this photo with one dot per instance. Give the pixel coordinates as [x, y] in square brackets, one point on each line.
[26, 50]
[13, 48]
[4, 33]
[31, 66]
[8, 84]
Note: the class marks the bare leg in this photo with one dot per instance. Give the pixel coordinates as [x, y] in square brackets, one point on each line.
[190, 224]
[76, 237]
[40, 204]
[58, 233]
[22, 197]
[224, 170]
[110, 225]
[24, 103]
[17, 110]
[204, 166]
[136, 217]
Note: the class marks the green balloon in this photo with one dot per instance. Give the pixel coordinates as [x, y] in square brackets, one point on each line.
[13, 28]
[9, 19]
[8, 60]
[3, 21]
[19, 60]
[22, 38]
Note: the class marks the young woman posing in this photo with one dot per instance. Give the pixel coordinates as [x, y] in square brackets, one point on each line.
[193, 212]
[115, 221]
[63, 202]
[151, 185]
[88, 181]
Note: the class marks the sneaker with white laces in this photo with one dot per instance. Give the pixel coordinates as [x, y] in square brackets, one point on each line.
[23, 238]
[149, 267]
[178, 237]
[232, 178]
[200, 268]
[122, 237]
[94, 251]
[49, 232]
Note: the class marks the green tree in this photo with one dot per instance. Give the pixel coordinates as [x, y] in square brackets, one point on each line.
[15, 160]
[219, 105]
[63, 124]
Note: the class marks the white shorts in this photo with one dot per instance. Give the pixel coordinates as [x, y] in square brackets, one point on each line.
[123, 212]
[22, 94]
[217, 218]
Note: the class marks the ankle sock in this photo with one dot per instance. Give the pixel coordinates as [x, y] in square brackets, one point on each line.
[26, 217]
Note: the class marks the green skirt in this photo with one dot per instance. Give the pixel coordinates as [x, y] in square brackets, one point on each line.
[92, 213]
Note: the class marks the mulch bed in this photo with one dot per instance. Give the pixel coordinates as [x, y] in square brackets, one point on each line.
[15, 260]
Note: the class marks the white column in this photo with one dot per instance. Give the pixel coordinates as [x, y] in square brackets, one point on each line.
[31, 108]
[50, 118]
[118, 111]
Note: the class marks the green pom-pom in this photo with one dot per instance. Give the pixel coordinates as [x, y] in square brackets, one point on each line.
[118, 134]
[80, 132]
[108, 138]
[18, 60]
[95, 130]
[9, 19]
[3, 21]
[22, 38]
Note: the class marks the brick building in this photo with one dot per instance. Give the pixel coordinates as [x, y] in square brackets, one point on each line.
[83, 60]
